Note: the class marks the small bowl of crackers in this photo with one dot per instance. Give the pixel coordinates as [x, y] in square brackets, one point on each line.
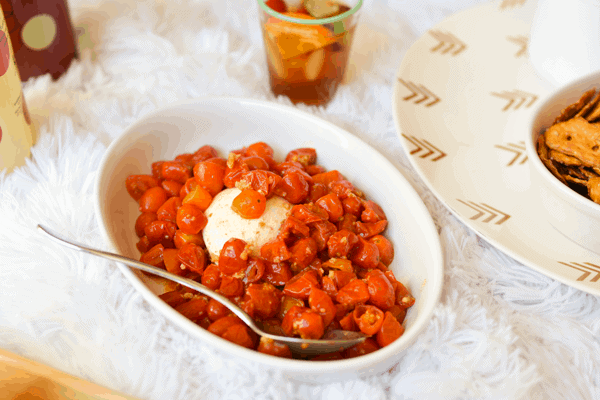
[563, 146]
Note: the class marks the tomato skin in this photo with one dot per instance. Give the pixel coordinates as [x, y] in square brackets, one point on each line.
[368, 319]
[403, 296]
[321, 303]
[287, 302]
[342, 278]
[173, 298]
[209, 175]
[136, 185]
[260, 149]
[211, 277]
[189, 186]
[142, 221]
[192, 257]
[271, 347]
[249, 204]
[190, 219]
[380, 289]
[328, 286]
[143, 245]
[352, 205]
[356, 291]
[385, 247]
[398, 312]
[168, 211]
[152, 199]
[175, 171]
[332, 204]
[233, 257]
[390, 330]
[347, 323]
[305, 156]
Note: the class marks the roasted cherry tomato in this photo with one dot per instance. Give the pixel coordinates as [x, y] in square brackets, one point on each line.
[175, 171]
[365, 254]
[305, 156]
[277, 274]
[332, 204]
[380, 289]
[142, 221]
[341, 243]
[204, 153]
[303, 322]
[191, 219]
[194, 309]
[249, 204]
[320, 302]
[275, 251]
[390, 330]
[154, 256]
[368, 319]
[168, 211]
[366, 347]
[303, 252]
[301, 285]
[138, 184]
[152, 199]
[354, 292]
[262, 300]
[271, 347]
[199, 197]
[386, 250]
[211, 277]
[209, 175]
[192, 257]
[172, 188]
[231, 287]
[239, 335]
[372, 212]
[233, 257]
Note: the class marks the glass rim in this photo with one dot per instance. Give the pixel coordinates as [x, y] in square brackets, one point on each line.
[318, 21]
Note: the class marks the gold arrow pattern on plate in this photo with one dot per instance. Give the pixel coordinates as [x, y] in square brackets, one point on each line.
[587, 269]
[448, 43]
[520, 41]
[419, 93]
[422, 144]
[485, 210]
[518, 149]
[516, 99]
[511, 3]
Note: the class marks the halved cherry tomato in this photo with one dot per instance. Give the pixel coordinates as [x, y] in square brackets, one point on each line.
[173, 298]
[390, 330]
[183, 238]
[172, 263]
[321, 232]
[277, 274]
[304, 322]
[239, 335]
[369, 229]
[211, 277]
[326, 178]
[231, 287]
[175, 171]
[305, 156]
[365, 254]
[216, 310]
[328, 286]
[220, 326]
[372, 212]
[352, 205]
[154, 256]
[403, 296]
[275, 251]
[161, 232]
[294, 187]
[172, 188]
[286, 303]
[256, 270]
[303, 252]
[249, 204]
[301, 285]
[341, 243]
[204, 153]
[264, 300]
[368, 319]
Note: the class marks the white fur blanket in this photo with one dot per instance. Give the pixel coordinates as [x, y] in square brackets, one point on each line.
[501, 330]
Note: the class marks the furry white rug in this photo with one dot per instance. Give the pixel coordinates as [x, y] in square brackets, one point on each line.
[501, 330]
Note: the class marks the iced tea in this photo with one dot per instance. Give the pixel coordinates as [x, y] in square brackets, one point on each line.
[307, 48]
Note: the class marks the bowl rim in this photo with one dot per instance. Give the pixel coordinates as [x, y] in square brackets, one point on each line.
[572, 197]
[221, 345]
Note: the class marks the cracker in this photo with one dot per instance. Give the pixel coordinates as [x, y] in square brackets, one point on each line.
[589, 106]
[570, 111]
[543, 153]
[594, 115]
[593, 186]
[563, 158]
[578, 138]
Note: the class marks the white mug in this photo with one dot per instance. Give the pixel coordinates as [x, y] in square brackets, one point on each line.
[565, 39]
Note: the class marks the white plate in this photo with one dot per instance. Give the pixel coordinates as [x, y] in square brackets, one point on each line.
[462, 98]
[229, 124]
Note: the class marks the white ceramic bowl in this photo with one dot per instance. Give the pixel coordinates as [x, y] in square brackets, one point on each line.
[570, 213]
[229, 124]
